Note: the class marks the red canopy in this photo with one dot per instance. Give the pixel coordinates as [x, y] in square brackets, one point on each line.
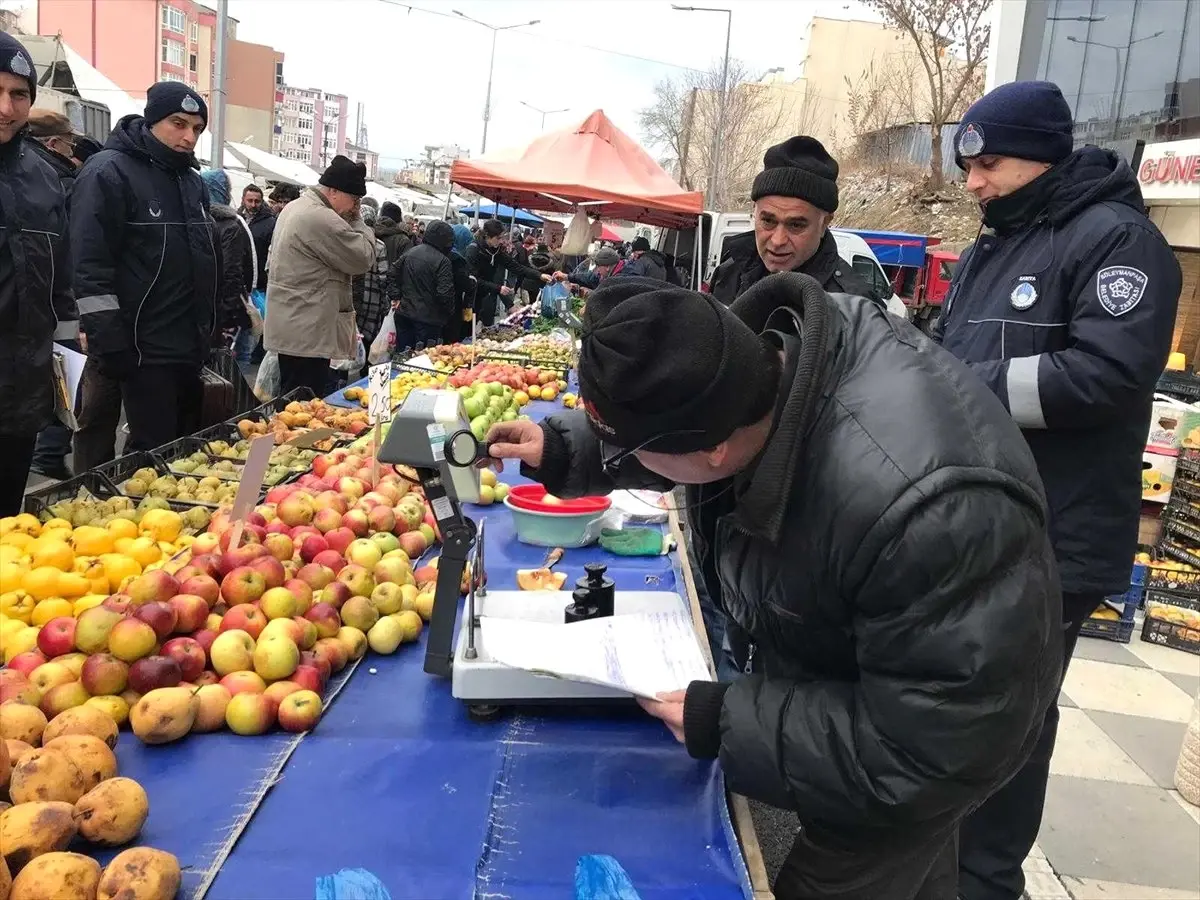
[607, 234]
[588, 162]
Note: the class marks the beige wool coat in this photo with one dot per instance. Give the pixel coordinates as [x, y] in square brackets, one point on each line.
[315, 254]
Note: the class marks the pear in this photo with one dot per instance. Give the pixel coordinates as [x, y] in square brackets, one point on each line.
[140, 873]
[113, 812]
[164, 715]
[28, 830]
[46, 774]
[63, 876]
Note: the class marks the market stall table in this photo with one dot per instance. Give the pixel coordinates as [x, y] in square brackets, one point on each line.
[396, 780]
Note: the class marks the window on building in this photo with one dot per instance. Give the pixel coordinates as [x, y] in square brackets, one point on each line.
[278, 73]
[172, 52]
[191, 62]
[1128, 68]
[173, 19]
[173, 76]
[194, 32]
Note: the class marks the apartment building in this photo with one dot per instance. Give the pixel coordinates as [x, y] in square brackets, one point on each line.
[368, 158]
[310, 125]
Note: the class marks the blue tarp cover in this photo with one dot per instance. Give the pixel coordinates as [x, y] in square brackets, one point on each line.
[895, 248]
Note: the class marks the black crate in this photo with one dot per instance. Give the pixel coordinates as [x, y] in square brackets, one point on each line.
[1181, 526]
[1120, 630]
[38, 502]
[1162, 579]
[1181, 385]
[1175, 635]
[121, 469]
[1173, 598]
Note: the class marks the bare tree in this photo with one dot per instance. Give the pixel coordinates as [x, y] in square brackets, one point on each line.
[681, 123]
[951, 41]
[880, 99]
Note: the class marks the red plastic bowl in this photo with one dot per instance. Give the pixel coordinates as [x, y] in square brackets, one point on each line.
[531, 497]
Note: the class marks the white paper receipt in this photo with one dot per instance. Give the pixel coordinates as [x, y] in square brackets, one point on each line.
[644, 653]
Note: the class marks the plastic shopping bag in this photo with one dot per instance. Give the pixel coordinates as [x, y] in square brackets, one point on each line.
[352, 365]
[385, 341]
[267, 384]
[578, 236]
[550, 295]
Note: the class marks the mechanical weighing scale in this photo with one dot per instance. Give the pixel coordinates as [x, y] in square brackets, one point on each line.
[430, 433]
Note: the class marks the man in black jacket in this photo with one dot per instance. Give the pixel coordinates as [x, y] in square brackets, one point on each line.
[422, 288]
[795, 197]
[489, 263]
[36, 306]
[51, 136]
[1065, 308]
[390, 229]
[147, 269]
[896, 583]
[261, 220]
[644, 262]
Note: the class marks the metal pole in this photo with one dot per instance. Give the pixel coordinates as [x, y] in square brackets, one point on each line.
[487, 110]
[217, 154]
[716, 151]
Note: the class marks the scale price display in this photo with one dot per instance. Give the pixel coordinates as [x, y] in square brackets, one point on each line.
[379, 393]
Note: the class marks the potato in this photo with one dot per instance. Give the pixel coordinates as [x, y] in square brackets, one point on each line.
[57, 876]
[46, 775]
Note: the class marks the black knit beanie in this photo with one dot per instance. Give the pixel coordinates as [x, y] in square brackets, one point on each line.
[666, 363]
[391, 211]
[1023, 119]
[15, 60]
[345, 175]
[169, 97]
[799, 167]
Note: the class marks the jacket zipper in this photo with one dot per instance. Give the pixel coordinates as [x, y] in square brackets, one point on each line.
[138, 315]
[213, 247]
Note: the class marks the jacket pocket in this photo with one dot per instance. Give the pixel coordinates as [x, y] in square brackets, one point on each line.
[1021, 337]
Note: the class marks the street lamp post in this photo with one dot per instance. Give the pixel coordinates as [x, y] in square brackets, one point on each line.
[1116, 49]
[544, 112]
[487, 102]
[715, 165]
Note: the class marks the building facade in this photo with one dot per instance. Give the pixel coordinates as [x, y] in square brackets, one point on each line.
[136, 43]
[310, 125]
[1130, 69]
[368, 158]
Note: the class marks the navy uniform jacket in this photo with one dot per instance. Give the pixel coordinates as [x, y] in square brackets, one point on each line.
[1068, 319]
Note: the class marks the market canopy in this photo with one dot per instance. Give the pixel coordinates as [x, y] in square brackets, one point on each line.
[503, 213]
[607, 234]
[582, 164]
[271, 167]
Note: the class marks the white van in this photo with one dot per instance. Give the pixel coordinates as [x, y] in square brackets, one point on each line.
[719, 228]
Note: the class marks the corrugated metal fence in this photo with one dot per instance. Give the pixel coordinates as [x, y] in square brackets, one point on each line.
[909, 145]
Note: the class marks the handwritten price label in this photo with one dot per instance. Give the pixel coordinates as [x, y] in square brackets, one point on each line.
[379, 393]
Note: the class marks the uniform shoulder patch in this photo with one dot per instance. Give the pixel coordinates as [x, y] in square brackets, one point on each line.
[1120, 288]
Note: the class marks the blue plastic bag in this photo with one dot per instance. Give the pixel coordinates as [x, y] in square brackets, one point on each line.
[259, 299]
[550, 296]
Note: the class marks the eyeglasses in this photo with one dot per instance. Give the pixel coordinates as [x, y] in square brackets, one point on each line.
[611, 464]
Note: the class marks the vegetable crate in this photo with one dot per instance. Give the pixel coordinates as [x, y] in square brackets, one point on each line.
[1120, 629]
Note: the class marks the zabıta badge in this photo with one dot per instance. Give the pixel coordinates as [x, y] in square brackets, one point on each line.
[1120, 288]
[1025, 294]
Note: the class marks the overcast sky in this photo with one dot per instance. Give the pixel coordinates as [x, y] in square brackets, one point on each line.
[423, 75]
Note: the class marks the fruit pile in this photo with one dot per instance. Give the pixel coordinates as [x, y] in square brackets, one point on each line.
[400, 387]
[85, 509]
[60, 772]
[148, 482]
[546, 349]
[490, 490]
[51, 570]
[302, 415]
[286, 460]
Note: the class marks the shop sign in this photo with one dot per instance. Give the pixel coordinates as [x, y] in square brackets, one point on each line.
[1171, 171]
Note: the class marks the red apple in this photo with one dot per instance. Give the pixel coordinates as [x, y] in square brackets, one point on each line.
[339, 539]
[188, 653]
[119, 603]
[279, 546]
[280, 689]
[326, 618]
[202, 586]
[208, 563]
[413, 543]
[329, 500]
[335, 594]
[152, 586]
[154, 672]
[213, 701]
[271, 570]
[188, 571]
[351, 487]
[206, 677]
[322, 663]
[309, 677]
[311, 545]
[159, 616]
[316, 576]
[250, 713]
[191, 612]
[358, 578]
[57, 637]
[232, 651]
[20, 691]
[26, 662]
[389, 492]
[299, 711]
[205, 637]
[321, 464]
[303, 593]
[243, 683]
[331, 649]
[327, 519]
[204, 545]
[103, 673]
[382, 518]
[278, 526]
[296, 509]
[356, 522]
[242, 556]
[331, 559]
[244, 617]
[308, 633]
[131, 639]
[243, 585]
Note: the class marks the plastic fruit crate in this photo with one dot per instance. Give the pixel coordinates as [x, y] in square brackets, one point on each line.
[1181, 385]
[122, 469]
[1120, 630]
[93, 483]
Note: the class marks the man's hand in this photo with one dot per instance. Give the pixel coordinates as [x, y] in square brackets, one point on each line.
[521, 439]
[546, 279]
[669, 708]
[559, 276]
[505, 290]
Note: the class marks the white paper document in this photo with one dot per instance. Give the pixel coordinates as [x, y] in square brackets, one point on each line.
[643, 653]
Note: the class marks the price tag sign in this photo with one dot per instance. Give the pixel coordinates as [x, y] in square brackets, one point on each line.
[379, 393]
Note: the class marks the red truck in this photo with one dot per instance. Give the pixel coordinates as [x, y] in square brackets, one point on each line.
[919, 271]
